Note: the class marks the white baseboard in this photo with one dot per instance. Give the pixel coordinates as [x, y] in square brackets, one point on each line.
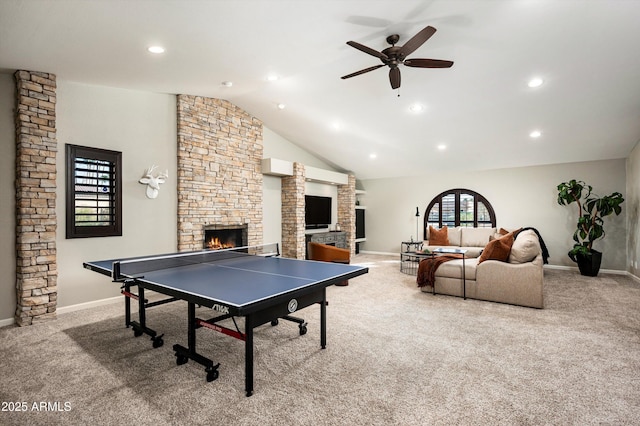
[383, 253]
[6, 322]
[604, 271]
[87, 305]
[72, 308]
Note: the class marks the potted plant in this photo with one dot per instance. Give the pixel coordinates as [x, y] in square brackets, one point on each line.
[591, 211]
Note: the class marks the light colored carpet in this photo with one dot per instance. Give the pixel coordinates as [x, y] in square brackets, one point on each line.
[395, 356]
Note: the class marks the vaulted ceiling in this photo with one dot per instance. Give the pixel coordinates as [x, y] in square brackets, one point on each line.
[478, 114]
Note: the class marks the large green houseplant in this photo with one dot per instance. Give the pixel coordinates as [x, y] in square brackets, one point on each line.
[591, 211]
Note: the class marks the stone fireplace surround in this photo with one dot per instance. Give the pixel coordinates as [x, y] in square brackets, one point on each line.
[219, 170]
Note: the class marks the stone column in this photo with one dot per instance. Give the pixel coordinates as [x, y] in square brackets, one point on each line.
[347, 211]
[36, 149]
[293, 239]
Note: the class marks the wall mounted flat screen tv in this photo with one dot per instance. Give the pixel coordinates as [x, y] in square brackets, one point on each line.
[317, 211]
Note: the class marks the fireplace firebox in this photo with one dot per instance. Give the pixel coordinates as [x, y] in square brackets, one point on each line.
[217, 237]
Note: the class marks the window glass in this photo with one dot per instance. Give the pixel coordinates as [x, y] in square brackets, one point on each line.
[459, 207]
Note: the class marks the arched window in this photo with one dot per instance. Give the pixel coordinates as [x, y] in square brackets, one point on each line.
[459, 207]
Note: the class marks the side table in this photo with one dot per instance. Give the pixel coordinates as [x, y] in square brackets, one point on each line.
[409, 258]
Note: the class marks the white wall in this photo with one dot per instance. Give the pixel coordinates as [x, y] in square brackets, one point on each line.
[520, 197]
[142, 126]
[275, 146]
[7, 198]
[632, 204]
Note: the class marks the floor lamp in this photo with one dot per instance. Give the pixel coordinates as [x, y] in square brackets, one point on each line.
[417, 216]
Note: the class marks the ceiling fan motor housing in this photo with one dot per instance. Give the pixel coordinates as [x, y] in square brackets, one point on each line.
[395, 55]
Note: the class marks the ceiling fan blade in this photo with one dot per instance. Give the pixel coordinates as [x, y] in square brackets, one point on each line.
[394, 77]
[428, 63]
[368, 50]
[416, 41]
[362, 71]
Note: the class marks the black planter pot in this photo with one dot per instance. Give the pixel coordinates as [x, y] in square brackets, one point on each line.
[589, 264]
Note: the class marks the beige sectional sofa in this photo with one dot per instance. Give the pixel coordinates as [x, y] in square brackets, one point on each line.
[517, 281]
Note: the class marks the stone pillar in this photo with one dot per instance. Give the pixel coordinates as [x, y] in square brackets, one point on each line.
[347, 211]
[293, 238]
[36, 149]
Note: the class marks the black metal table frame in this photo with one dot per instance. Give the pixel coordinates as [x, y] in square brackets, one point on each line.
[464, 278]
[261, 313]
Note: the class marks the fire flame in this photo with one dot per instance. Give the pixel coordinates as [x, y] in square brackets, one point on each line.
[215, 244]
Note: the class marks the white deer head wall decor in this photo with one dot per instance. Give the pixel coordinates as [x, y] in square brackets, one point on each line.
[153, 183]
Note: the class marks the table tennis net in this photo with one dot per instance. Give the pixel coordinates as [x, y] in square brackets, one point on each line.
[135, 268]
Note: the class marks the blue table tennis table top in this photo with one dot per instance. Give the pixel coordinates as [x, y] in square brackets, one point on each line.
[241, 281]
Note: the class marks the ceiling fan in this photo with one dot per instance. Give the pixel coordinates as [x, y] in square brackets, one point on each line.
[396, 55]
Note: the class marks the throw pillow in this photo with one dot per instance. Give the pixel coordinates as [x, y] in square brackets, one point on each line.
[438, 237]
[497, 249]
[501, 233]
[525, 247]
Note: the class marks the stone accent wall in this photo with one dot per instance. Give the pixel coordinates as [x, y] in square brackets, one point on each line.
[219, 169]
[293, 239]
[36, 149]
[347, 211]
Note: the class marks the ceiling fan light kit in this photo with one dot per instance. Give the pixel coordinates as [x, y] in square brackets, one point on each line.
[396, 55]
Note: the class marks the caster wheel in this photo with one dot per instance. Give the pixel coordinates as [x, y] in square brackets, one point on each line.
[181, 359]
[137, 333]
[212, 375]
[303, 330]
[157, 343]
[274, 322]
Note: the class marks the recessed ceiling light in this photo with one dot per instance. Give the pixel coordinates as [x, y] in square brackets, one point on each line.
[156, 49]
[272, 77]
[535, 82]
[373, 155]
[227, 83]
[441, 147]
[336, 126]
[535, 134]
[281, 106]
[416, 108]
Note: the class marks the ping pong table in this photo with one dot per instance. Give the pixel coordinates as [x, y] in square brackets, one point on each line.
[250, 282]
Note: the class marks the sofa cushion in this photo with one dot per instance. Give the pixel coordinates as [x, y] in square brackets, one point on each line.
[498, 249]
[438, 237]
[453, 269]
[476, 237]
[525, 247]
[455, 235]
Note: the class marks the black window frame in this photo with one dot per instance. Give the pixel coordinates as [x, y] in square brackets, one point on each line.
[457, 193]
[108, 228]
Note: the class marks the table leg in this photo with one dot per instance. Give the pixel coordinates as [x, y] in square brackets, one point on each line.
[323, 319]
[464, 278]
[127, 305]
[248, 355]
[142, 316]
[185, 354]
